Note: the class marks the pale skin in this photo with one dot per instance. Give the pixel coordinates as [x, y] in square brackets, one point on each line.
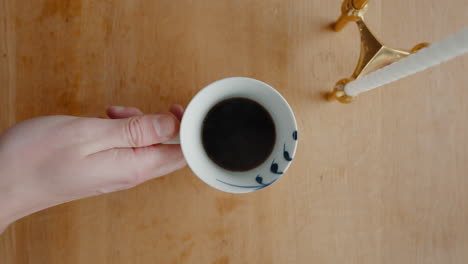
[51, 160]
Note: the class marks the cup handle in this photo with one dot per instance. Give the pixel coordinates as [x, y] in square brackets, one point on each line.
[173, 141]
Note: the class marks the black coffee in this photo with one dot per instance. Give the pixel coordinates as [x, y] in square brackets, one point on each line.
[238, 134]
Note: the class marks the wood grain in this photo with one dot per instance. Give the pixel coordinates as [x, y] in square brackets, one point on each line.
[382, 180]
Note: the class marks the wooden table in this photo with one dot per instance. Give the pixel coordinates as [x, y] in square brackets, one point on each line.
[383, 180]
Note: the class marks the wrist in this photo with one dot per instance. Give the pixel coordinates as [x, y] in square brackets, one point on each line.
[14, 202]
[6, 213]
[3, 228]
[7, 199]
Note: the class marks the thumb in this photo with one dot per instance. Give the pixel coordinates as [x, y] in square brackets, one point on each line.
[137, 131]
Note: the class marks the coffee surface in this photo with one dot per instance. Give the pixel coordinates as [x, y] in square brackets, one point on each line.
[238, 134]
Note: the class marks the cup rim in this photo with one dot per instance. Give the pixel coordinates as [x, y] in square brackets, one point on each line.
[258, 182]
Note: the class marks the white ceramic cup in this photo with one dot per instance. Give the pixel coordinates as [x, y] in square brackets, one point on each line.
[229, 181]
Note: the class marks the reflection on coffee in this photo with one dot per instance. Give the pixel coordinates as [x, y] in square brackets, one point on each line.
[238, 134]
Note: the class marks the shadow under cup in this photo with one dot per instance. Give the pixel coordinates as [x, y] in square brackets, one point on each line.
[261, 176]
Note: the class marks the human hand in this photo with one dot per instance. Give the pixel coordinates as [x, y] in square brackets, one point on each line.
[52, 160]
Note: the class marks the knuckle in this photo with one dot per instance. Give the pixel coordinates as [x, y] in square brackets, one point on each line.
[134, 131]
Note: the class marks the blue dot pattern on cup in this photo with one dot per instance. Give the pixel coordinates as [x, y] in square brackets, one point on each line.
[286, 154]
[274, 170]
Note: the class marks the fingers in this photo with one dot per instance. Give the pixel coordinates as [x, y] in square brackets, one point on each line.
[125, 168]
[155, 161]
[129, 128]
[140, 131]
[117, 112]
[177, 110]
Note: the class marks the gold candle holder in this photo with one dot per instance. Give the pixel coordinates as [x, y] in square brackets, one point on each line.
[374, 55]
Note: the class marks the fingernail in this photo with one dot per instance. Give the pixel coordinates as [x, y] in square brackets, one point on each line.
[118, 108]
[165, 125]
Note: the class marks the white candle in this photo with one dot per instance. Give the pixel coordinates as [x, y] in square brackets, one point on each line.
[434, 54]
